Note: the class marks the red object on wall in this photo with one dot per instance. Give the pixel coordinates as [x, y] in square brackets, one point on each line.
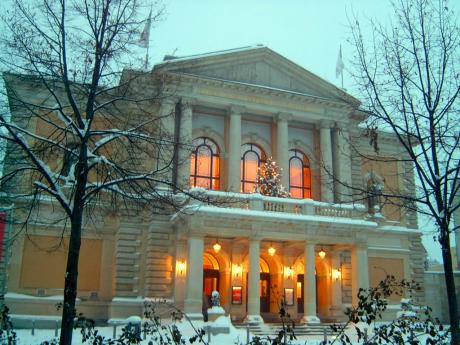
[2, 231]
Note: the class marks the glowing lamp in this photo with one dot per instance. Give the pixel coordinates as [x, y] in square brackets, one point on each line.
[336, 274]
[322, 253]
[289, 272]
[216, 247]
[237, 269]
[180, 266]
[271, 250]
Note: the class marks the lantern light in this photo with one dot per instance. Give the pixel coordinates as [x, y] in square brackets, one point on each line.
[271, 250]
[216, 246]
[322, 253]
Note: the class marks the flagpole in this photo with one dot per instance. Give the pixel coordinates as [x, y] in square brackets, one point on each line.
[342, 79]
[147, 57]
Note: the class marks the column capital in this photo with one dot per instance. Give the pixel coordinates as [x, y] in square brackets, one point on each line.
[236, 109]
[169, 100]
[325, 124]
[283, 117]
[342, 125]
[188, 102]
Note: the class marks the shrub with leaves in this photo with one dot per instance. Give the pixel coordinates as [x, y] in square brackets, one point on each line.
[418, 327]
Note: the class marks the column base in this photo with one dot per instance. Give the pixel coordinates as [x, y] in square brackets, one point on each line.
[310, 319]
[195, 316]
[257, 319]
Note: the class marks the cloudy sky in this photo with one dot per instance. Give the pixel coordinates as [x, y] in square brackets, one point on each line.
[308, 32]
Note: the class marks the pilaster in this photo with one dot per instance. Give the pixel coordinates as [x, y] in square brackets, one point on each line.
[282, 146]
[342, 164]
[194, 285]
[234, 150]
[360, 270]
[327, 180]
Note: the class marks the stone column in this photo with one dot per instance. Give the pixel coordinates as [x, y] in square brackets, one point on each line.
[342, 164]
[185, 148]
[194, 286]
[234, 150]
[327, 181]
[166, 151]
[309, 285]
[282, 147]
[254, 282]
[359, 270]
[336, 285]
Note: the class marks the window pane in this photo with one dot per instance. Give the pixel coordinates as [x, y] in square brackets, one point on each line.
[204, 161]
[295, 172]
[203, 182]
[296, 193]
[216, 166]
[251, 165]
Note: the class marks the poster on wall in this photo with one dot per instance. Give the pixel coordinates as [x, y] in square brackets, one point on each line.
[289, 296]
[237, 295]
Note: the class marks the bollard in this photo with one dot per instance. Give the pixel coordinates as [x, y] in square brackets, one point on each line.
[247, 334]
[33, 327]
[114, 334]
[325, 335]
[56, 326]
[208, 329]
[365, 335]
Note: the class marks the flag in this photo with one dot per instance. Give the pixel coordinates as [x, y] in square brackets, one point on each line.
[145, 34]
[339, 67]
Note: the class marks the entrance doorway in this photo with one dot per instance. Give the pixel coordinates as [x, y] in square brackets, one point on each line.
[264, 292]
[300, 294]
[210, 278]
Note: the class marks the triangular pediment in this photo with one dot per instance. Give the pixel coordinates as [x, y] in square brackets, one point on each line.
[256, 66]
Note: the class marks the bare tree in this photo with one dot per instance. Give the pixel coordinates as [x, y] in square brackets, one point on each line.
[408, 76]
[80, 130]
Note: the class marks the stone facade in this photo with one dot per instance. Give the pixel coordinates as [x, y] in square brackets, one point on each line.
[251, 96]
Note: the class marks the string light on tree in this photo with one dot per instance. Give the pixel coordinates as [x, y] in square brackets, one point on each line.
[269, 180]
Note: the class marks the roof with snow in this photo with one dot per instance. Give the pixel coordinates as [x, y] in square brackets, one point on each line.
[255, 66]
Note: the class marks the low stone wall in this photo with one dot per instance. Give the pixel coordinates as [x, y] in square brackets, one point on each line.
[436, 295]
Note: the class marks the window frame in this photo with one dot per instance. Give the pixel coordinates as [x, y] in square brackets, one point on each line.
[215, 159]
[261, 159]
[305, 187]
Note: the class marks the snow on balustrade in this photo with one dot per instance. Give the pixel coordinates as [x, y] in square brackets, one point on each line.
[258, 202]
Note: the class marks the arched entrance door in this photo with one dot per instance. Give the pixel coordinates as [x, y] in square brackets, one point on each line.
[210, 277]
[264, 287]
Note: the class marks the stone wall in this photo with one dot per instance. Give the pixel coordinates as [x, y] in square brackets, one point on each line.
[436, 295]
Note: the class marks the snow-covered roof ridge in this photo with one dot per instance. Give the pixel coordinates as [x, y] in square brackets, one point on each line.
[171, 58]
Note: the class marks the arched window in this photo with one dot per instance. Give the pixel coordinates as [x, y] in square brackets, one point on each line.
[204, 164]
[299, 175]
[252, 156]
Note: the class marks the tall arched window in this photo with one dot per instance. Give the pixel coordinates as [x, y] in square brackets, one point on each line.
[204, 164]
[299, 175]
[252, 156]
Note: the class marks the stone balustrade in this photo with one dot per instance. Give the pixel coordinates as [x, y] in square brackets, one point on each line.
[258, 202]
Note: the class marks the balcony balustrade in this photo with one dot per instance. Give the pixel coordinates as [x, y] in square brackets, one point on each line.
[258, 202]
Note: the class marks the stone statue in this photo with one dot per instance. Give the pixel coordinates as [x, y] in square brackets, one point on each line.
[374, 190]
[215, 299]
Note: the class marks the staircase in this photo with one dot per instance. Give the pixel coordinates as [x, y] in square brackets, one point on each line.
[273, 329]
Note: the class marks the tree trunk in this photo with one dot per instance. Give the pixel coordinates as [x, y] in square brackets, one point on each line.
[70, 287]
[450, 287]
[71, 275]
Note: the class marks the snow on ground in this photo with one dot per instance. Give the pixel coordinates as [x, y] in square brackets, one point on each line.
[235, 336]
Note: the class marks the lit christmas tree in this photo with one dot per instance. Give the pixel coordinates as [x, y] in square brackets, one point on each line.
[269, 180]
